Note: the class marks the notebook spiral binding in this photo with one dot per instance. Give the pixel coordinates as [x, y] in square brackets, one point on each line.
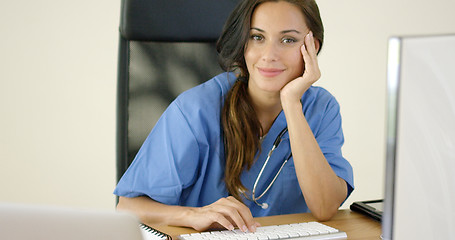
[155, 232]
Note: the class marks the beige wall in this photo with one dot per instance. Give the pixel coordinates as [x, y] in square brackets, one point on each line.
[58, 85]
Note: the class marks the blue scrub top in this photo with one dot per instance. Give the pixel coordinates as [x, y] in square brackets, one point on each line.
[182, 160]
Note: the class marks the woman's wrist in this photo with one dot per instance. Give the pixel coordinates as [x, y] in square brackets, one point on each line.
[290, 96]
[182, 216]
[290, 103]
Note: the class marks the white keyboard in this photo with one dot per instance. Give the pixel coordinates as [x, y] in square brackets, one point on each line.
[308, 230]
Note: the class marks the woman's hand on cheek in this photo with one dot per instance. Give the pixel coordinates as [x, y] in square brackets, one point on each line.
[297, 87]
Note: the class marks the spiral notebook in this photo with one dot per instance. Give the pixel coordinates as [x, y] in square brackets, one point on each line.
[150, 233]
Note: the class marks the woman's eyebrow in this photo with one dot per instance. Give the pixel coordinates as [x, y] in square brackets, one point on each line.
[288, 31]
[282, 32]
[257, 29]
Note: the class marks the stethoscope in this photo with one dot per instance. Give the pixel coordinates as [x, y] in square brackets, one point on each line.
[253, 193]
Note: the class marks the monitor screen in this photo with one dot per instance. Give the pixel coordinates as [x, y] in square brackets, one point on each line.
[420, 165]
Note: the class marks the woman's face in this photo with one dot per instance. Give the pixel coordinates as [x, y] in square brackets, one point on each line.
[272, 54]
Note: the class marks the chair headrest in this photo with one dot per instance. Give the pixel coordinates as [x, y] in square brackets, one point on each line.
[174, 20]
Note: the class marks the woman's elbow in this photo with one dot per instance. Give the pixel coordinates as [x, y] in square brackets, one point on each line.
[124, 204]
[325, 213]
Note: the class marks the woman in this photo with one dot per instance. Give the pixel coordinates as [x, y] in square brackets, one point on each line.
[206, 163]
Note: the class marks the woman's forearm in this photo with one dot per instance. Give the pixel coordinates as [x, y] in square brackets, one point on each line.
[323, 190]
[152, 212]
[225, 213]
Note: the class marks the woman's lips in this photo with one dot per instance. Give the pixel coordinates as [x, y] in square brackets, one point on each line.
[270, 72]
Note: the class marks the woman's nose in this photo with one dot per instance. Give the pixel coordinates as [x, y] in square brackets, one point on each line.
[270, 52]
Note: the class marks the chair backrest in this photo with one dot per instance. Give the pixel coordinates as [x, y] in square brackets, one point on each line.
[165, 47]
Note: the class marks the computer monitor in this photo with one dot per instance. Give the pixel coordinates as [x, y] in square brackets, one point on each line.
[420, 164]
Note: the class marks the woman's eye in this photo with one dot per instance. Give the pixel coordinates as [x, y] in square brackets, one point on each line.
[256, 37]
[289, 40]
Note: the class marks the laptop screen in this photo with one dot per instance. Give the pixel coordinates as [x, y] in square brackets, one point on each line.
[21, 222]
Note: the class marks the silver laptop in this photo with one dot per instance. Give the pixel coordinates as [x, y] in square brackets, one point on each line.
[20, 222]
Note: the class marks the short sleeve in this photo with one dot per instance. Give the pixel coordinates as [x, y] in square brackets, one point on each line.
[323, 114]
[331, 139]
[166, 163]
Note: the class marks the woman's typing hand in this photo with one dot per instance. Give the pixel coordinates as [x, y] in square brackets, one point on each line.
[225, 213]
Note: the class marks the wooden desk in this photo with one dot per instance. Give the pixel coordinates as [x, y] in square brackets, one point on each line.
[356, 226]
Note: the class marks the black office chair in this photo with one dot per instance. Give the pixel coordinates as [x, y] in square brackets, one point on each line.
[165, 47]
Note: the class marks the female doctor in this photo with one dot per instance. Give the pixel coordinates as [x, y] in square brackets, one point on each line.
[260, 142]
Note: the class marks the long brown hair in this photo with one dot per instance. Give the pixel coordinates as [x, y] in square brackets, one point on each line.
[241, 127]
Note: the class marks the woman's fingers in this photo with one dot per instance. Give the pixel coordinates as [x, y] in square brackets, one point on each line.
[245, 214]
[309, 53]
[238, 212]
[229, 212]
[311, 45]
[222, 220]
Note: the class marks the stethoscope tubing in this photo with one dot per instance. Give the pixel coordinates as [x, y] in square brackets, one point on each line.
[275, 145]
